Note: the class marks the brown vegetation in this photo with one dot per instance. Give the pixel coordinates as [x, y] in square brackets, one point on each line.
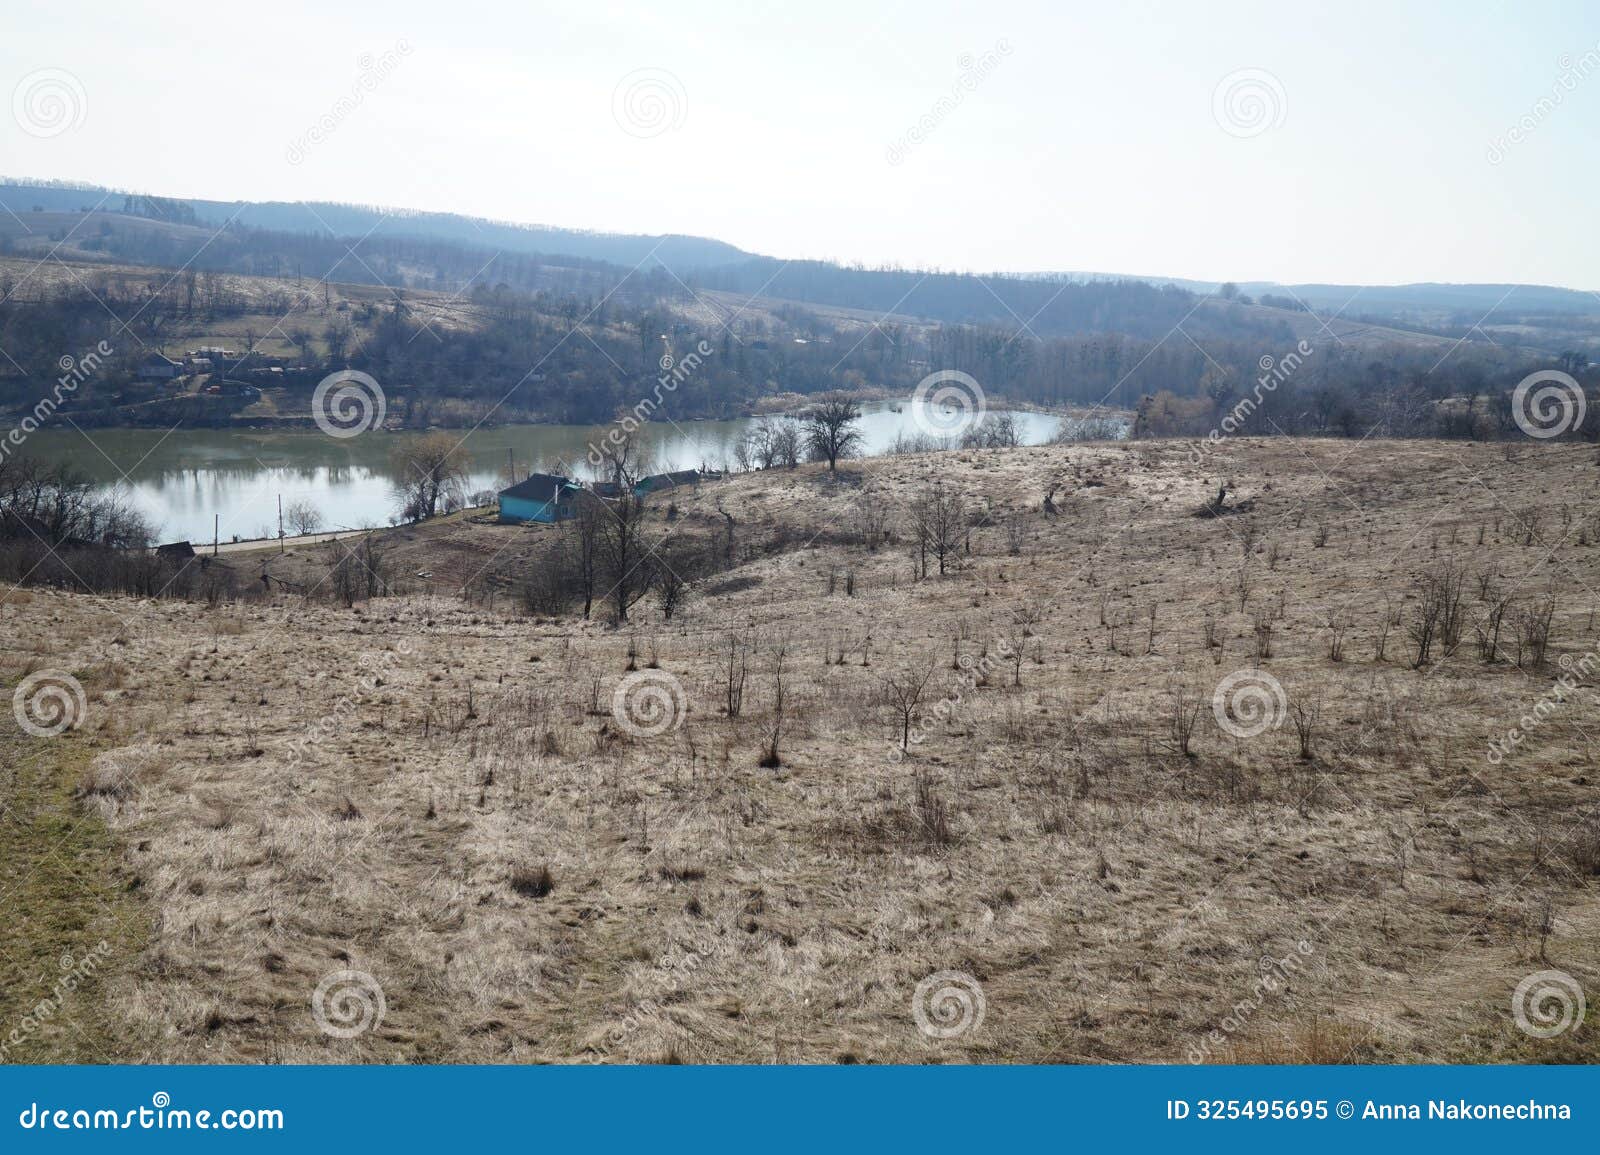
[1012, 769]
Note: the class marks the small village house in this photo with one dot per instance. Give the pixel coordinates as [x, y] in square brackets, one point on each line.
[540, 497]
[155, 366]
[678, 479]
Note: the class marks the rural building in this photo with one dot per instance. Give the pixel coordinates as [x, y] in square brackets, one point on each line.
[540, 497]
[656, 482]
[156, 367]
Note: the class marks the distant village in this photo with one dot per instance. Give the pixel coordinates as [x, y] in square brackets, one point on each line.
[222, 368]
[549, 497]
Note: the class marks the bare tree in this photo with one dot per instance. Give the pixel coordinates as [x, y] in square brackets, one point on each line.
[671, 588]
[581, 545]
[736, 668]
[428, 471]
[830, 427]
[785, 443]
[626, 566]
[727, 546]
[623, 456]
[1438, 613]
[938, 521]
[770, 757]
[303, 517]
[902, 692]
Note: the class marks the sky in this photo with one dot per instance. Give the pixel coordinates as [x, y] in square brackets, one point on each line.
[1331, 142]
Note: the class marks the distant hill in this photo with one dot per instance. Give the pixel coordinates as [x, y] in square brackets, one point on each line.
[1426, 297]
[347, 220]
[448, 252]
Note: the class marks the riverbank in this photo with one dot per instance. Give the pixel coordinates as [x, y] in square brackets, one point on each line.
[196, 483]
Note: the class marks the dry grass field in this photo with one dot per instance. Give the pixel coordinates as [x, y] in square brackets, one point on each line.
[428, 830]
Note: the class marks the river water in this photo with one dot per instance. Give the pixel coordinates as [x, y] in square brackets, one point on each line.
[182, 479]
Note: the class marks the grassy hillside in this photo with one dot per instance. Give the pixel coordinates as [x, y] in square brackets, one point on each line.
[549, 840]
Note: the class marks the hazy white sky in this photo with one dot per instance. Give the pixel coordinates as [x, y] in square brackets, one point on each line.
[1095, 138]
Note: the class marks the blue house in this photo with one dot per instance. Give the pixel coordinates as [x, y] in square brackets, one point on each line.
[540, 497]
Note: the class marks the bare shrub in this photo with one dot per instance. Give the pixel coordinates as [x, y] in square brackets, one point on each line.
[532, 881]
[1533, 633]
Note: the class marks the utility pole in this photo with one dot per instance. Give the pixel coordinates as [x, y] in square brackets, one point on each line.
[511, 466]
[280, 523]
[216, 532]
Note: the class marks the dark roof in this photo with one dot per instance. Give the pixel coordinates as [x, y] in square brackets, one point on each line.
[680, 477]
[538, 487]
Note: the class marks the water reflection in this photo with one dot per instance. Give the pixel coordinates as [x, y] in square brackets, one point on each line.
[184, 478]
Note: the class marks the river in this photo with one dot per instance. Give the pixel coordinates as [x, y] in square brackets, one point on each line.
[182, 479]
